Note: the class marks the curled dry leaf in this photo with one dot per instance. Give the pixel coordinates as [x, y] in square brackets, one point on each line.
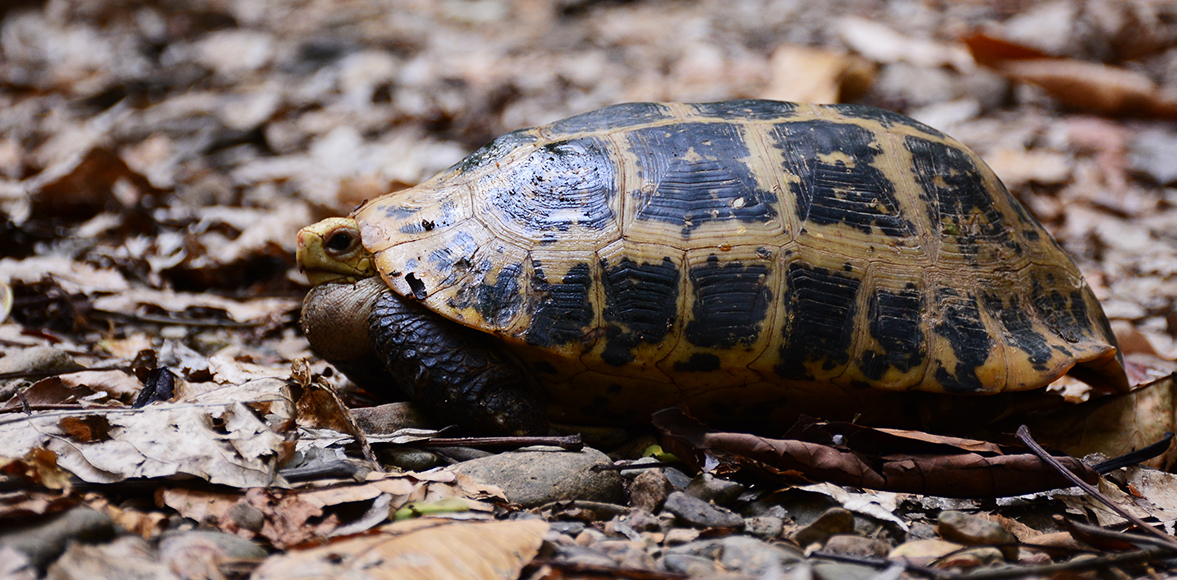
[1115, 425]
[1090, 86]
[848, 454]
[423, 549]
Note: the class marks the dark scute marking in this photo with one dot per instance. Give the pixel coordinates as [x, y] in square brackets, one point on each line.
[612, 117]
[699, 362]
[698, 174]
[859, 196]
[731, 302]
[955, 195]
[613, 389]
[559, 184]
[968, 337]
[746, 109]
[641, 305]
[563, 312]
[493, 151]
[1065, 314]
[498, 303]
[416, 285]
[895, 324]
[1019, 328]
[822, 305]
[884, 117]
[545, 367]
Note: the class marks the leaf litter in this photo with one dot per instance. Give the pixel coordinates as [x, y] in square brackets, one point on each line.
[155, 162]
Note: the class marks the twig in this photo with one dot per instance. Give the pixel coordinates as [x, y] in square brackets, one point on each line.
[1024, 435]
[1076, 565]
[153, 319]
[565, 442]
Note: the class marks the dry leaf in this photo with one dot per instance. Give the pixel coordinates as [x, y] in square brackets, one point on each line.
[1090, 86]
[880, 43]
[849, 454]
[810, 75]
[425, 549]
[224, 443]
[1114, 425]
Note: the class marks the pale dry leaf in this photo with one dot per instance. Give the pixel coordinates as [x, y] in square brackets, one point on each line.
[161, 440]
[880, 505]
[424, 549]
[810, 75]
[1113, 425]
[1017, 167]
[882, 44]
[1157, 488]
[130, 301]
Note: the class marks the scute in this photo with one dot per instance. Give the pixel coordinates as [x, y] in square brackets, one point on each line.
[741, 254]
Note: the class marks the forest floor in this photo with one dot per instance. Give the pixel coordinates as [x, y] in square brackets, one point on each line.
[158, 158]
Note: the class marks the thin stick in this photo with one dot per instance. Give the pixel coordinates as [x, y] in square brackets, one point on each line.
[1024, 435]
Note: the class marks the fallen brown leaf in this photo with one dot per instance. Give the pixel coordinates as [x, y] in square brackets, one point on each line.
[1089, 86]
[848, 454]
[425, 549]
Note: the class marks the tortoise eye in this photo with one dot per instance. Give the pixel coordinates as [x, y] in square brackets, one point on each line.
[340, 241]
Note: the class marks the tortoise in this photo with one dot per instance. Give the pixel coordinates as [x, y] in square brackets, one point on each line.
[750, 260]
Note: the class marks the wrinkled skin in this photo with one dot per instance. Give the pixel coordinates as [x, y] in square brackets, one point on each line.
[394, 347]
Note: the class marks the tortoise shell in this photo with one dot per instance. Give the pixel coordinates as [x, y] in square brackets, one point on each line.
[743, 255]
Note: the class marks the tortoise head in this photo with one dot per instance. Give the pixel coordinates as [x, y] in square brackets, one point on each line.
[331, 252]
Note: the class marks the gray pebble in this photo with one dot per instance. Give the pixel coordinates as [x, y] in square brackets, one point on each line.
[691, 565]
[699, 513]
[766, 527]
[709, 488]
[44, 539]
[538, 475]
[650, 489]
[832, 522]
[856, 546]
[567, 528]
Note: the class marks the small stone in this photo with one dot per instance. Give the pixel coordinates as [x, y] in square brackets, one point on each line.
[649, 490]
[246, 516]
[856, 546]
[627, 554]
[678, 536]
[765, 527]
[744, 554]
[43, 539]
[535, 476]
[410, 459]
[583, 555]
[589, 536]
[567, 528]
[677, 478]
[712, 489]
[970, 530]
[922, 552]
[843, 571]
[223, 545]
[642, 521]
[756, 557]
[699, 513]
[693, 566]
[832, 522]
